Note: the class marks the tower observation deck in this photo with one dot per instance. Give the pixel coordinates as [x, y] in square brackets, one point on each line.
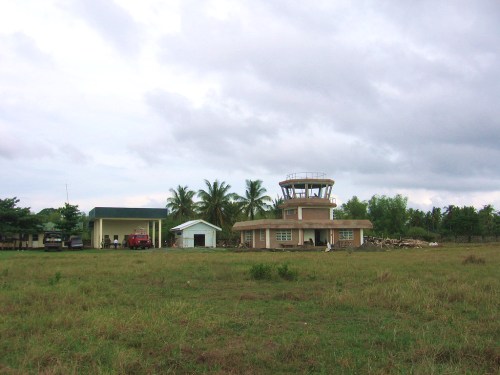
[307, 189]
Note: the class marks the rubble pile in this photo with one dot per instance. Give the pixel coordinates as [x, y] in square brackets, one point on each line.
[392, 243]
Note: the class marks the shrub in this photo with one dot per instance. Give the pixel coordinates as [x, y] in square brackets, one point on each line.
[286, 273]
[261, 271]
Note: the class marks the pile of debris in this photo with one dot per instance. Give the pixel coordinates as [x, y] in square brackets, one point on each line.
[392, 243]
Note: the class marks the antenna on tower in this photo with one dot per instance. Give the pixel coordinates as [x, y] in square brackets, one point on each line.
[67, 196]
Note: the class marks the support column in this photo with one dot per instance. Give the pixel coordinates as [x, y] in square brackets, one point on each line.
[159, 234]
[154, 233]
[268, 238]
[101, 239]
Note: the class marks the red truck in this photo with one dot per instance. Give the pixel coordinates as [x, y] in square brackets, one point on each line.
[139, 240]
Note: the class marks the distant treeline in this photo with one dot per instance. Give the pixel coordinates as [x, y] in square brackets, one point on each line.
[218, 205]
[392, 218]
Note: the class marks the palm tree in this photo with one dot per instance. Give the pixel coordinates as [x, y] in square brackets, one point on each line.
[215, 202]
[181, 203]
[276, 211]
[254, 201]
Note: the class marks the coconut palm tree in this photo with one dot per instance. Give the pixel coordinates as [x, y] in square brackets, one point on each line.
[276, 211]
[215, 202]
[254, 202]
[181, 203]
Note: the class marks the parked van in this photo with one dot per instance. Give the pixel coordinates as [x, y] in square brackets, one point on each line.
[75, 242]
[52, 240]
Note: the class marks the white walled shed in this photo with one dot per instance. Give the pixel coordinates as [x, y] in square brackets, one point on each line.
[195, 233]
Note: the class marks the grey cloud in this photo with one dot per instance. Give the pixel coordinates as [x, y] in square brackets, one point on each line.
[421, 104]
[217, 120]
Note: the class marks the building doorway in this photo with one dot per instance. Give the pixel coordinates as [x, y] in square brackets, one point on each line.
[199, 240]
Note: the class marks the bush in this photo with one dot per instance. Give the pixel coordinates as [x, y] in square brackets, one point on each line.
[261, 271]
[286, 273]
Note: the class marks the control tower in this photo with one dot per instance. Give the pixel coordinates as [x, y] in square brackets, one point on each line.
[307, 218]
[308, 189]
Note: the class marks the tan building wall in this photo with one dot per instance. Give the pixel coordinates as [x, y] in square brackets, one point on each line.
[290, 214]
[260, 238]
[356, 241]
[315, 214]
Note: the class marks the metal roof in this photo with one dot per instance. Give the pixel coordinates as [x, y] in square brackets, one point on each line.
[190, 223]
[127, 213]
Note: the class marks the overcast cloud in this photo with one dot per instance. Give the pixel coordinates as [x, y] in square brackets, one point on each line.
[119, 101]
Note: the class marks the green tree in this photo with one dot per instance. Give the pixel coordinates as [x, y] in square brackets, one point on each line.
[275, 210]
[467, 222]
[448, 221]
[16, 221]
[215, 204]
[461, 221]
[354, 209]
[388, 215]
[70, 220]
[49, 215]
[181, 203]
[433, 219]
[255, 201]
[487, 220]
[416, 218]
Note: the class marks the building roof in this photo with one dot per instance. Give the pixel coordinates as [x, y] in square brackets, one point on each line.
[188, 224]
[304, 224]
[127, 213]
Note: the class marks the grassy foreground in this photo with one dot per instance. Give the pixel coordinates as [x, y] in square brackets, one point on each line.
[422, 311]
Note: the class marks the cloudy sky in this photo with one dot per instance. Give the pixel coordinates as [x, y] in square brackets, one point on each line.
[119, 101]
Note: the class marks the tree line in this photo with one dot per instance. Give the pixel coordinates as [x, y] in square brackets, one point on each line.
[16, 223]
[218, 205]
[392, 218]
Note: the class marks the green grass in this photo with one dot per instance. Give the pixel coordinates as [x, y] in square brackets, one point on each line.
[421, 311]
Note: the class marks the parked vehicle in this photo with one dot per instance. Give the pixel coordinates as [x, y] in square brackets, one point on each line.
[75, 242]
[136, 241]
[52, 240]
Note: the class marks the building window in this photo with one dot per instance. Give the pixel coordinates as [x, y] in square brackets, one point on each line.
[262, 234]
[346, 235]
[35, 237]
[248, 236]
[290, 212]
[284, 235]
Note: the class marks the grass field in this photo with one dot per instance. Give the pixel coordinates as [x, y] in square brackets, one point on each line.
[421, 311]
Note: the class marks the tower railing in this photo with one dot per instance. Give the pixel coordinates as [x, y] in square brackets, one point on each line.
[306, 175]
